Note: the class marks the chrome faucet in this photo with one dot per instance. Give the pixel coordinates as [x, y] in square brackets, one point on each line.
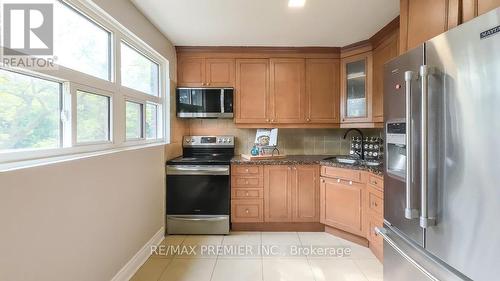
[362, 156]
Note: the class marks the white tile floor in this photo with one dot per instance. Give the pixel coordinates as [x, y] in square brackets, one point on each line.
[281, 265]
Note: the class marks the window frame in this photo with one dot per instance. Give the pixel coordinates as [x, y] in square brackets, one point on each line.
[158, 117]
[142, 121]
[74, 124]
[62, 106]
[71, 80]
[110, 51]
[131, 46]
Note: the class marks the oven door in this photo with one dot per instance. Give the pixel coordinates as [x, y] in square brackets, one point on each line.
[204, 102]
[198, 199]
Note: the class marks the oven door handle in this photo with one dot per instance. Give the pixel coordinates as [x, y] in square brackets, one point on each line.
[197, 219]
[197, 170]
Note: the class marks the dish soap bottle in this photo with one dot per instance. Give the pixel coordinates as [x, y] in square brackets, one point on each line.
[254, 151]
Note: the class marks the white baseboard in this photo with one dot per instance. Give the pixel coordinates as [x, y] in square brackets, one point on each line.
[139, 258]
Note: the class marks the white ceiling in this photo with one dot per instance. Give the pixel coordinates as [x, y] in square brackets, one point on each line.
[327, 23]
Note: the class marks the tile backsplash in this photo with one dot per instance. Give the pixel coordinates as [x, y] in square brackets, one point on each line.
[290, 141]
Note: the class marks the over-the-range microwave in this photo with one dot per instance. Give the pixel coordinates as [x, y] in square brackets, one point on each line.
[204, 102]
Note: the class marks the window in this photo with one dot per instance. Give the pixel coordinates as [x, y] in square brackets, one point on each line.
[81, 44]
[133, 120]
[30, 110]
[47, 112]
[138, 72]
[151, 121]
[92, 117]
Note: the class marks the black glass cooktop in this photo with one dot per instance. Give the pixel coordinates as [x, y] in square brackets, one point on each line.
[202, 160]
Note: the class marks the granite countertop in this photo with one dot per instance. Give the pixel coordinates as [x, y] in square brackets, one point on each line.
[306, 160]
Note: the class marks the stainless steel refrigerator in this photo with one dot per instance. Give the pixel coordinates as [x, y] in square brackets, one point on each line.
[442, 167]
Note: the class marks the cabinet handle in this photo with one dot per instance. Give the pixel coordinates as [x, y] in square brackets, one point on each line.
[267, 120]
[246, 194]
[247, 211]
[246, 170]
[289, 168]
[246, 182]
[295, 168]
[322, 180]
[272, 120]
[350, 182]
[374, 182]
[308, 120]
[338, 180]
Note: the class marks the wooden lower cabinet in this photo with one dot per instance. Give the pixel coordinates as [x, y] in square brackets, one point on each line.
[247, 193]
[352, 202]
[305, 193]
[277, 193]
[246, 211]
[343, 205]
[375, 214]
[303, 196]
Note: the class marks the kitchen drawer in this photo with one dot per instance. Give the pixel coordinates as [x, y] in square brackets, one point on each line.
[247, 193]
[375, 201]
[340, 173]
[376, 181]
[247, 210]
[251, 170]
[246, 181]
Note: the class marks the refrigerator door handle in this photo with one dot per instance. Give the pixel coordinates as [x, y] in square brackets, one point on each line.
[425, 221]
[383, 232]
[410, 213]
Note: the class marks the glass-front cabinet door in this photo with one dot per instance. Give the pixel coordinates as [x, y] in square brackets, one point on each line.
[356, 85]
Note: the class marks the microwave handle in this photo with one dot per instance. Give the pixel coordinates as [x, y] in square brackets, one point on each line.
[222, 100]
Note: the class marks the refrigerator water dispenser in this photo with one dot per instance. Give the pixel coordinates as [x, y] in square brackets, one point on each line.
[396, 148]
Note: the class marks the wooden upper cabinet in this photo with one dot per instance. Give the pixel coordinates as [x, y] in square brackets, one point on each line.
[219, 72]
[191, 72]
[305, 193]
[342, 205]
[356, 79]
[205, 72]
[277, 194]
[287, 90]
[474, 8]
[423, 19]
[387, 50]
[323, 90]
[252, 91]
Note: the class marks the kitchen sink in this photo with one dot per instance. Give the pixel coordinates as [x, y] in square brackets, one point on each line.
[373, 163]
[344, 160]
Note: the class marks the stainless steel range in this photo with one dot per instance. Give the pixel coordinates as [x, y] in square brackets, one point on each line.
[199, 186]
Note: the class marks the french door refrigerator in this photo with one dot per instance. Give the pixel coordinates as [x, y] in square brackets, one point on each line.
[442, 167]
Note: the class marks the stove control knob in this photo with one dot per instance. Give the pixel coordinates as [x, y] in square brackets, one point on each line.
[188, 140]
[219, 140]
[225, 140]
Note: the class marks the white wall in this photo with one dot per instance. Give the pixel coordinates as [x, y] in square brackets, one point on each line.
[80, 220]
[85, 219]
